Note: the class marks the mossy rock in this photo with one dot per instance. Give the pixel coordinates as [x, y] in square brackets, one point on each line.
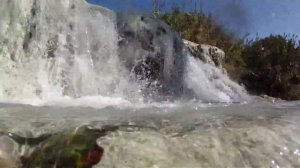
[76, 148]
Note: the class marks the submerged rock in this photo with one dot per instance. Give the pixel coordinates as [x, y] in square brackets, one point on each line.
[271, 99]
[153, 52]
[8, 153]
[76, 148]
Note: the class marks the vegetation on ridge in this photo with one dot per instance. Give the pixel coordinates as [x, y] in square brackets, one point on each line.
[268, 66]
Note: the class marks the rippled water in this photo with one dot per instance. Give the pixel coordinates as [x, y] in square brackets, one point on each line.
[190, 134]
[60, 69]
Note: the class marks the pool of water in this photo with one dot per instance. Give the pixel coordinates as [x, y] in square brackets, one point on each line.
[190, 134]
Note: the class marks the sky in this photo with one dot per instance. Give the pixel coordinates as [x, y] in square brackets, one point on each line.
[256, 17]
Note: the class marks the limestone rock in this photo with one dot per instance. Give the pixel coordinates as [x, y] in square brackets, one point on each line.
[207, 53]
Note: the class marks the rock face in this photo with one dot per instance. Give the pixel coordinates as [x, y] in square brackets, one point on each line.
[207, 53]
[153, 52]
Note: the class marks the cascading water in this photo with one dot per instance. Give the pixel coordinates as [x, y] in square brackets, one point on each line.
[63, 56]
[51, 50]
[55, 49]
[210, 84]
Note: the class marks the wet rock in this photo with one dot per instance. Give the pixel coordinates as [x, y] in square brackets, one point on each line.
[153, 52]
[207, 53]
[8, 153]
[75, 148]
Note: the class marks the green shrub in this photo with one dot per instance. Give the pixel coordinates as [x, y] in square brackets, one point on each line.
[272, 66]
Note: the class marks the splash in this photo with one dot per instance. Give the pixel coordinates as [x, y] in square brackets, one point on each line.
[59, 48]
[64, 51]
[210, 84]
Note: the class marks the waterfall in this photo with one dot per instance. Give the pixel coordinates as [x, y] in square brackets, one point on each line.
[69, 48]
[59, 48]
[210, 84]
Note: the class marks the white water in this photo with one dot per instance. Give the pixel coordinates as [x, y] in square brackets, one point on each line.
[82, 39]
[210, 84]
[86, 84]
[67, 50]
[182, 135]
